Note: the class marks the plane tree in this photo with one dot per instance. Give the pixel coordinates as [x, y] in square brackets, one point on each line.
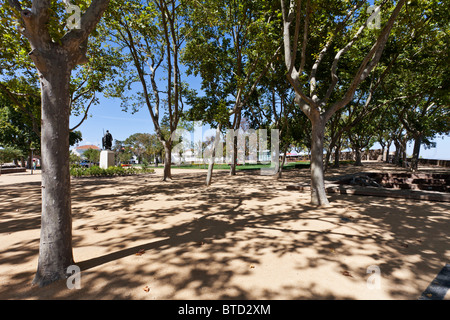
[317, 37]
[148, 36]
[55, 52]
[422, 75]
[231, 46]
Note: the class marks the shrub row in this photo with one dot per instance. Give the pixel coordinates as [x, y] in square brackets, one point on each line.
[96, 171]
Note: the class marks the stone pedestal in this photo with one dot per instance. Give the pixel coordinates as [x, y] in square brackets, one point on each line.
[106, 159]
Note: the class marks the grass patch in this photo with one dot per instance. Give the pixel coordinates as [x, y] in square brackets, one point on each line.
[287, 166]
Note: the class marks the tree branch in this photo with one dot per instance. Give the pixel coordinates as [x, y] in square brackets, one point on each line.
[369, 62]
[11, 96]
[305, 38]
[74, 38]
[324, 50]
[85, 114]
[15, 4]
[40, 8]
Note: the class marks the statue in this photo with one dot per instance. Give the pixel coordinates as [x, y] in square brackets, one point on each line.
[107, 141]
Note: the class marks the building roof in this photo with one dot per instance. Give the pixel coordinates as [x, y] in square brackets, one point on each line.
[87, 147]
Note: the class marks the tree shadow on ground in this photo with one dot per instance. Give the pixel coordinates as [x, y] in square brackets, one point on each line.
[244, 237]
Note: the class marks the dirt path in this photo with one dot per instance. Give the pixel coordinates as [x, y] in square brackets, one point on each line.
[244, 237]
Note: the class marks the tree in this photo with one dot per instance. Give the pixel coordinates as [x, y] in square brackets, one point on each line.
[54, 57]
[231, 46]
[331, 26]
[150, 36]
[141, 145]
[92, 155]
[19, 80]
[17, 128]
[422, 76]
[8, 154]
[361, 135]
[74, 158]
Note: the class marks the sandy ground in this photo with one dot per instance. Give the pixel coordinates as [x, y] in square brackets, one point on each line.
[244, 237]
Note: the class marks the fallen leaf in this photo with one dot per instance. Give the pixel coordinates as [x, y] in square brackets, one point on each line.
[146, 289]
[429, 295]
[252, 266]
[347, 274]
[140, 252]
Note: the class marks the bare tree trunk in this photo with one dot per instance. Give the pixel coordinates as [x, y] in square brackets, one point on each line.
[388, 146]
[404, 160]
[416, 152]
[358, 156]
[318, 193]
[234, 157]
[213, 156]
[283, 160]
[55, 249]
[327, 158]
[337, 155]
[167, 161]
[397, 154]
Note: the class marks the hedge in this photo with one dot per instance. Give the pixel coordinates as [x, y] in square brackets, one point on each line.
[96, 171]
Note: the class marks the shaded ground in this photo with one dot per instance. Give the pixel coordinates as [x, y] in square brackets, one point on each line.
[244, 237]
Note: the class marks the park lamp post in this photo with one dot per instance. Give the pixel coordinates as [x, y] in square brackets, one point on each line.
[32, 156]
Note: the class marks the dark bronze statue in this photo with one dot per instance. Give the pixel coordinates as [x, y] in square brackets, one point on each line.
[107, 141]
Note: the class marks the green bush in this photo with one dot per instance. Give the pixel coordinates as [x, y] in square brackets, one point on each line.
[96, 171]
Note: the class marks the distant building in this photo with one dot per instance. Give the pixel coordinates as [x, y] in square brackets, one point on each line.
[79, 151]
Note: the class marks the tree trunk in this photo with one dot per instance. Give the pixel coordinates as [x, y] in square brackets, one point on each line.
[396, 159]
[383, 147]
[358, 156]
[318, 193]
[167, 161]
[283, 160]
[388, 146]
[416, 152]
[213, 156]
[327, 157]
[404, 160]
[337, 155]
[55, 249]
[234, 157]
[210, 169]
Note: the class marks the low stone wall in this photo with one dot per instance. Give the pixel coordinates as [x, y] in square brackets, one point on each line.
[12, 170]
[434, 162]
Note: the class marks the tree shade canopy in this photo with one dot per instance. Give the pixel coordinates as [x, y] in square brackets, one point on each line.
[325, 73]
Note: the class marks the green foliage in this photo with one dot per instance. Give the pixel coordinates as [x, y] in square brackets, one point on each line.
[17, 120]
[92, 155]
[8, 154]
[229, 45]
[18, 75]
[74, 159]
[96, 171]
[416, 89]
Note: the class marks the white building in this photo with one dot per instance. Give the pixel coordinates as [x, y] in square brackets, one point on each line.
[79, 151]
